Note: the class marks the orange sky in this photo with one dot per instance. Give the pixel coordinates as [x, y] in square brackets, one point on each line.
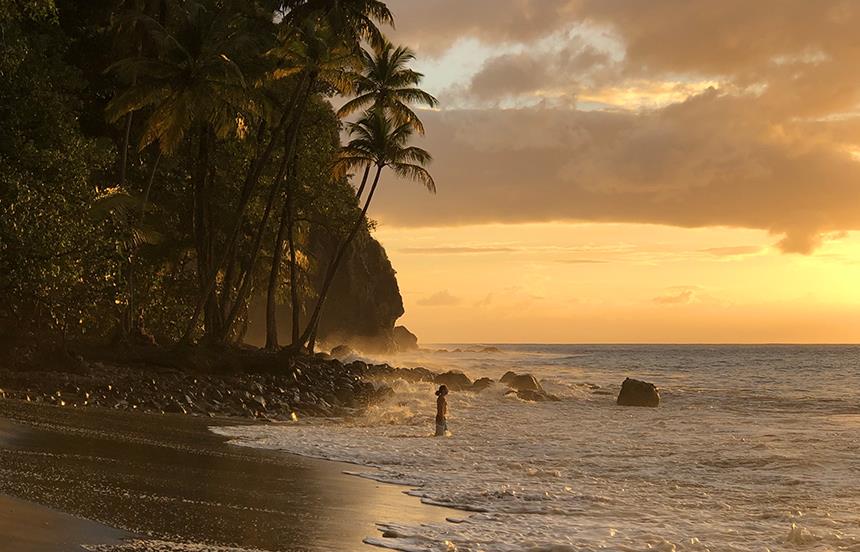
[627, 171]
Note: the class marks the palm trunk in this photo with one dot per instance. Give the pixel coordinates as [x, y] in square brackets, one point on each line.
[123, 164]
[311, 329]
[248, 275]
[274, 273]
[295, 306]
[363, 182]
[202, 235]
[252, 179]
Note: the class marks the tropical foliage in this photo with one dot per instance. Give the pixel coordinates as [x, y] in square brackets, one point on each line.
[164, 162]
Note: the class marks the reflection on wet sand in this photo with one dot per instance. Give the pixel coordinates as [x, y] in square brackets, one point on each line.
[168, 477]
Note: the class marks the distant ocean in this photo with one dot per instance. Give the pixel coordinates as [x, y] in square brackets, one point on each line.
[754, 448]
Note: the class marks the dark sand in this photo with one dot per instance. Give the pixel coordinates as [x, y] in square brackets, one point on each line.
[169, 478]
[28, 527]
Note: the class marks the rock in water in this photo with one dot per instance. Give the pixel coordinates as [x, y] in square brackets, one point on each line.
[456, 381]
[521, 382]
[404, 340]
[481, 385]
[638, 393]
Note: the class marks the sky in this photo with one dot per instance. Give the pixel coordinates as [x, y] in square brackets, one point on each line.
[627, 171]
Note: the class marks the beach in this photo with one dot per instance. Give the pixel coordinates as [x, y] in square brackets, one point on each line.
[109, 480]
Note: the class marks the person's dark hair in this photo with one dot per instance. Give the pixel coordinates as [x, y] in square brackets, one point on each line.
[443, 390]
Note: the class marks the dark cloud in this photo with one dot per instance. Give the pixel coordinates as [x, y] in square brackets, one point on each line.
[771, 149]
[712, 160]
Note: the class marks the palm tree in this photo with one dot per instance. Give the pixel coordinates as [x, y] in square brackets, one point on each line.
[191, 84]
[377, 140]
[354, 20]
[314, 54]
[387, 82]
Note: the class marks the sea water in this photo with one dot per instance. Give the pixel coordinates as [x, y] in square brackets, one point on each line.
[753, 448]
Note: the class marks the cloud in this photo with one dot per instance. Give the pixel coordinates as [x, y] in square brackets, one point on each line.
[440, 299]
[713, 160]
[454, 250]
[582, 261]
[678, 295]
[733, 251]
[725, 113]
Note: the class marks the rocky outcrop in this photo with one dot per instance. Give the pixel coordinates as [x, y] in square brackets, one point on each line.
[638, 393]
[361, 308]
[456, 381]
[521, 382]
[267, 386]
[481, 384]
[404, 340]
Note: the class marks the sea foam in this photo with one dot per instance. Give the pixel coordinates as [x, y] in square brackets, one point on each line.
[743, 454]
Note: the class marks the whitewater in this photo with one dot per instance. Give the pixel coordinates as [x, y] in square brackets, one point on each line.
[754, 448]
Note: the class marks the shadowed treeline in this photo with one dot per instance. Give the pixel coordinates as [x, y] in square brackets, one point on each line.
[165, 162]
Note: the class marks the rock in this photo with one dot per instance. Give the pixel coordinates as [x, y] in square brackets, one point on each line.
[522, 382]
[481, 385]
[638, 393]
[342, 352]
[423, 374]
[456, 381]
[488, 350]
[404, 340]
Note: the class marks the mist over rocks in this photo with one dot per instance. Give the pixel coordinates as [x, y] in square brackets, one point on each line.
[362, 306]
[404, 340]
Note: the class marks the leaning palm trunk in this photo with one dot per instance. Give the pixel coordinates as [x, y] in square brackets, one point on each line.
[284, 227]
[252, 179]
[309, 335]
[290, 142]
[248, 275]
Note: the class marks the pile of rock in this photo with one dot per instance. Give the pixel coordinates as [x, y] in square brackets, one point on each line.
[304, 387]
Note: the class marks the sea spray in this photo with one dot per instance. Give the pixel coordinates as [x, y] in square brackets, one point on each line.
[714, 468]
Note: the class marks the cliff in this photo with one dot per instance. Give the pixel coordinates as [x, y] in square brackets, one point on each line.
[362, 306]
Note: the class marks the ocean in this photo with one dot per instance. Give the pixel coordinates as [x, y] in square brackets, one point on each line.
[753, 448]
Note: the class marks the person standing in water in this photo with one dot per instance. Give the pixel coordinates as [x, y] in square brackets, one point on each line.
[441, 411]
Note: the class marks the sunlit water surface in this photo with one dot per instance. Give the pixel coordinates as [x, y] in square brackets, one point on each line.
[753, 448]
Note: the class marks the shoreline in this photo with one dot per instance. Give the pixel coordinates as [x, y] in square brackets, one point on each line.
[169, 478]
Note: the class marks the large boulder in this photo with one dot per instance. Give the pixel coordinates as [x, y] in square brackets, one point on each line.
[456, 381]
[481, 385]
[638, 393]
[404, 340]
[521, 382]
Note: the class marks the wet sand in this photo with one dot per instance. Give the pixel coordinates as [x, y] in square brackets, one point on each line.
[167, 477]
[28, 527]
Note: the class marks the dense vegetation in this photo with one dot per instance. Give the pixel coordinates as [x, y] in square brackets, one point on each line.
[163, 162]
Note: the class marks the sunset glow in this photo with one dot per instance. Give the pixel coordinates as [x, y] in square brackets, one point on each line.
[628, 172]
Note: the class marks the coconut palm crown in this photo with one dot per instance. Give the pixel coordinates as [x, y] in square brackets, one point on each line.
[387, 82]
[377, 139]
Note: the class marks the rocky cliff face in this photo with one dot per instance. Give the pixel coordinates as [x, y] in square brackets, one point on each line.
[361, 308]
[364, 301]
